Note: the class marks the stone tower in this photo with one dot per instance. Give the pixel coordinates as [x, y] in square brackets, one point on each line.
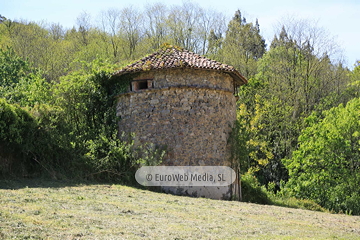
[184, 101]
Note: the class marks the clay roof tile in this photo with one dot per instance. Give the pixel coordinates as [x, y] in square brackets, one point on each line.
[174, 57]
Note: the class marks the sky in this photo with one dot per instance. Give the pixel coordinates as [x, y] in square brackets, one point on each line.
[340, 18]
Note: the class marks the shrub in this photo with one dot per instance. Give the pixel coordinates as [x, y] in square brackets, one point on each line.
[252, 191]
[113, 159]
[17, 128]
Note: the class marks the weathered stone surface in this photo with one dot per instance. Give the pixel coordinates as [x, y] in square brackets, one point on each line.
[189, 111]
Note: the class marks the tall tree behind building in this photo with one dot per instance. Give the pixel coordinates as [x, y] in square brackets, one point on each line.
[243, 45]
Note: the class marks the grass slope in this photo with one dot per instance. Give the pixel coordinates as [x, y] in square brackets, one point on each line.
[54, 210]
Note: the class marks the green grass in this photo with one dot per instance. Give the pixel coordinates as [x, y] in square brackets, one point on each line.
[58, 210]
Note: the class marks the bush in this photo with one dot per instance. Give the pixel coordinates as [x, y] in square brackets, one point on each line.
[255, 193]
[70, 133]
[287, 201]
[17, 128]
[113, 159]
[110, 158]
[54, 148]
[252, 191]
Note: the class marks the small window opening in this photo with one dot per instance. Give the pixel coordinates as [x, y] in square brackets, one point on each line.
[141, 84]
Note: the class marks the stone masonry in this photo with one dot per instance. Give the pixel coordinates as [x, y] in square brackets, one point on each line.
[191, 112]
[188, 109]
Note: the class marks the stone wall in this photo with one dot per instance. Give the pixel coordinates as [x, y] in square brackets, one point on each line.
[192, 116]
[191, 77]
[189, 111]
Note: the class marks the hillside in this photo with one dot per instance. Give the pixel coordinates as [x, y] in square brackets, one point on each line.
[55, 210]
[64, 100]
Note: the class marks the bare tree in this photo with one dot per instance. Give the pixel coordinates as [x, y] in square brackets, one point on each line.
[306, 32]
[57, 31]
[83, 22]
[110, 21]
[313, 74]
[184, 25]
[210, 22]
[131, 29]
[155, 24]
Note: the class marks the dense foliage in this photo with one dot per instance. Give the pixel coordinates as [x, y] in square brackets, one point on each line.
[57, 98]
[326, 166]
[70, 132]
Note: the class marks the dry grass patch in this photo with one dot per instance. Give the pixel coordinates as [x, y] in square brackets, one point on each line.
[120, 212]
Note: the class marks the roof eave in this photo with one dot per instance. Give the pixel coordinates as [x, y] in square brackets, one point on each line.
[238, 78]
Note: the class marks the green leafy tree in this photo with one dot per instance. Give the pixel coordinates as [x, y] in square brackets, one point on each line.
[326, 166]
[214, 44]
[19, 83]
[30, 142]
[250, 151]
[16, 138]
[296, 77]
[83, 95]
[353, 89]
[243, 45]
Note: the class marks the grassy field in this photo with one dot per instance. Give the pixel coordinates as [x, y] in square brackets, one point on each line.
[59, 210]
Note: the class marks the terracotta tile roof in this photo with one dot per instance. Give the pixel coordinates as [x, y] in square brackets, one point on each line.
[174, 57]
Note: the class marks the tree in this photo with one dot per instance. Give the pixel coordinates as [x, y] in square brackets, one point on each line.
[326, 166]
[184, 26]
[110, 21]
[314, 71]
[17, 127]
[42, 47]
[84, 26]
[56, 31]
[19, 83]
[156, 31]
[243, 45]
[212, 26]
[2, 19]
[296, 78]
[214, 44]
[84, 96]
[353, 89]
[249, 150]
[30, 41]
[131, 30]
